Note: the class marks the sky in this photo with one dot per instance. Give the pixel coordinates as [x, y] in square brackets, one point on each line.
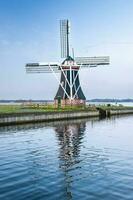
[29, 32]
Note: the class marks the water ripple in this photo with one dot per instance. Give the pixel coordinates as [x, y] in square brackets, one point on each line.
[67, 160]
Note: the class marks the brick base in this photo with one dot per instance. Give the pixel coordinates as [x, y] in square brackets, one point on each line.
[67, 102]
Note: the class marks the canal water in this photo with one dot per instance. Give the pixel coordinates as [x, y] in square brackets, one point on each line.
[81, 159]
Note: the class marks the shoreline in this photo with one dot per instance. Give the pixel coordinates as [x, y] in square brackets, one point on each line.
[35, 117]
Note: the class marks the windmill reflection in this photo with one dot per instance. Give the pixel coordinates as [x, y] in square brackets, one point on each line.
[70, 137]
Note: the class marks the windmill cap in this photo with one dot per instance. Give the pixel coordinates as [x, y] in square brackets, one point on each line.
[69, 58]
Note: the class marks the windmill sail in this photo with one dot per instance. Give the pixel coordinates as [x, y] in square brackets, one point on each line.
[42, 67]
[64, 38]
[92, 61]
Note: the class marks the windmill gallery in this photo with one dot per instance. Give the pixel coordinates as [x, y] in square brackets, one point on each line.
[69, 91]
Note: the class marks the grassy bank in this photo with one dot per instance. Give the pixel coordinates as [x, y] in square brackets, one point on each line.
[115, 107]
[51, 108]
[40, 108]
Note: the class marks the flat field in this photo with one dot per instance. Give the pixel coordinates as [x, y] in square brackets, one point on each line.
[40, 108]
[51, 108]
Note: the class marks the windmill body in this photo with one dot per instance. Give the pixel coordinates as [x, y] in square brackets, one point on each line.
[73, 93]
[69, 91]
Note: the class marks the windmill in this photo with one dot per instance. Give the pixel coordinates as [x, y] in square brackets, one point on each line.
[69, 91]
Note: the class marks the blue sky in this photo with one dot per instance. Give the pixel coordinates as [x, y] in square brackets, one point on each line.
[29, 32]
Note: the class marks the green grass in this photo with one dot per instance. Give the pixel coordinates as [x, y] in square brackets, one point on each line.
[51, 108]
[38, 108]
[115, 107]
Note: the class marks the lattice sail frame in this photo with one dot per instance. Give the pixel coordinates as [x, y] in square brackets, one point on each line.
[92, 61]
[42, 67]
[64, 38]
